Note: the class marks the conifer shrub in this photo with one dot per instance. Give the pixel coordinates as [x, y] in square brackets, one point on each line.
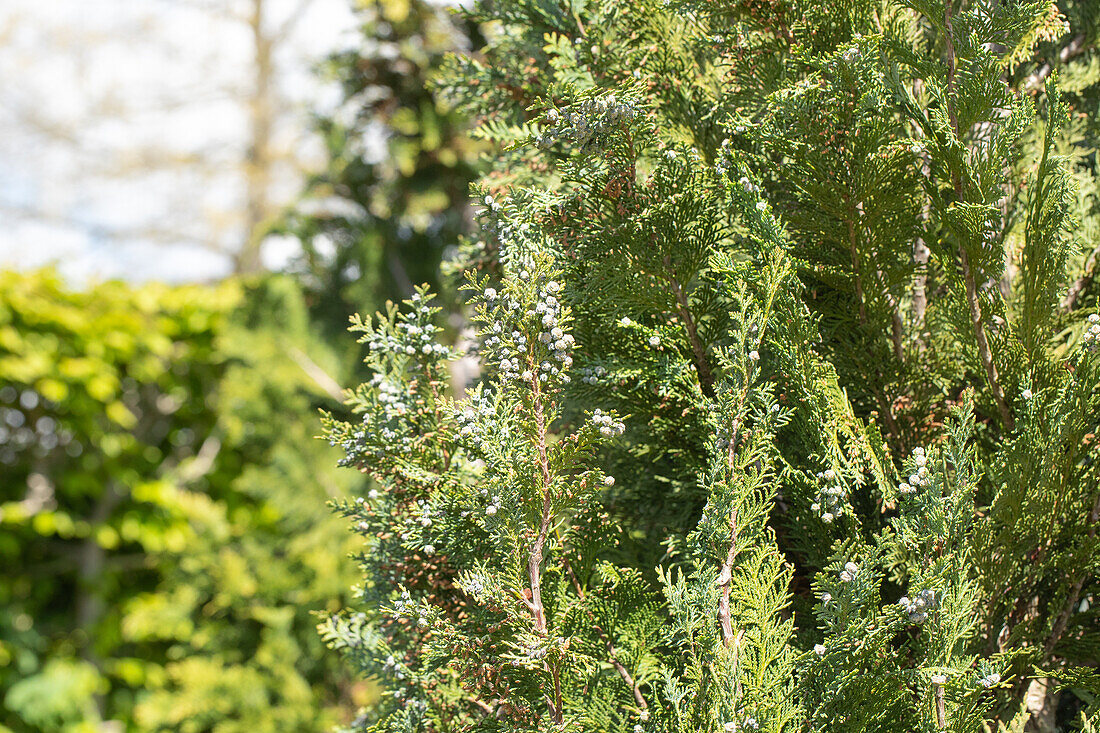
[788, 396]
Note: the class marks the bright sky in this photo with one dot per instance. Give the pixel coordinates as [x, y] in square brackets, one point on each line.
[122, 129]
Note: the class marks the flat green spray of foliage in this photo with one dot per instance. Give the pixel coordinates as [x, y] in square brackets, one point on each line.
[789, 395]
[162, 541]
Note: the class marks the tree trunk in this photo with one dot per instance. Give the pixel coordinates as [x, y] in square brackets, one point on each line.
[257, 164]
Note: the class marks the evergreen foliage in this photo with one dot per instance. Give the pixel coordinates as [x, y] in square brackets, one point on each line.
[789, 396]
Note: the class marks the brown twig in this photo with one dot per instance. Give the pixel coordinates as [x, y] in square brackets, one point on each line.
[857, 277]
[725, 573]
[1075, 594]
[1082, 282]
[921, 252]
[698, 351]
[949, 40]
[613, 657]
[725, 581]
[941, 706]
[984, 352]
[896, 326]
[534, 560]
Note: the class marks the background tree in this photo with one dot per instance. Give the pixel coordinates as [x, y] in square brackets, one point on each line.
[393, 195]
[178, 127]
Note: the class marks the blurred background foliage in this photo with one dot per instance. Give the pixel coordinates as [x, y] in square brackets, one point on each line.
[378, 219]
[163, 562]
[165, 539]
